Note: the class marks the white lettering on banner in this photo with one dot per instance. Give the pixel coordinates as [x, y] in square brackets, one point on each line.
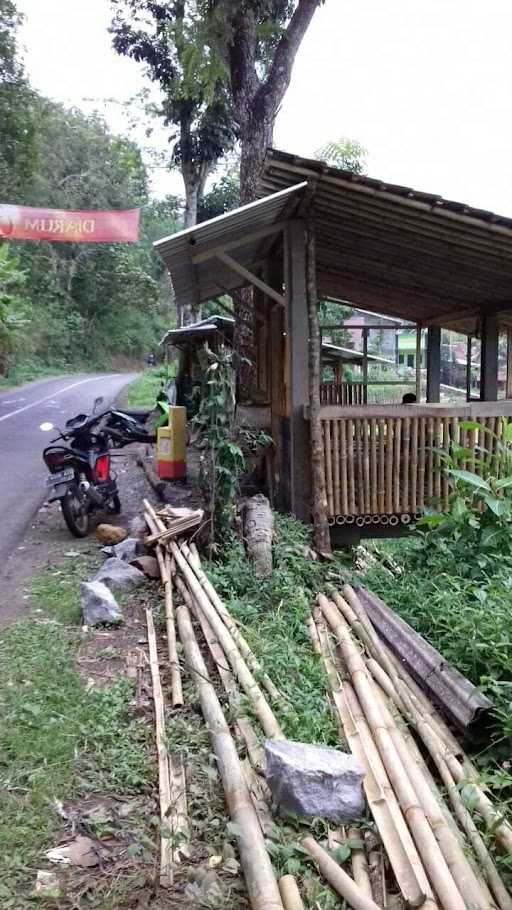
[60, 226]
[31, 224]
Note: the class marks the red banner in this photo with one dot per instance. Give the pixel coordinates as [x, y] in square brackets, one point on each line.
[19, 222]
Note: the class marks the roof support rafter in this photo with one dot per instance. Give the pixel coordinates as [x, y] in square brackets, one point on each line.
[265, 231]
[251, 278]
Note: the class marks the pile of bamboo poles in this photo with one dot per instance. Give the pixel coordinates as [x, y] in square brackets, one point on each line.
[239, 671]
[437, 856]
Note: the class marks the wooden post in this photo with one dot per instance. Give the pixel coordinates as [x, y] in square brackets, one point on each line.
[489, 361]
[468, 368]
[434, 363]
[418, 362]
[508, 392]
[365, 365]
[316, 466]
[297, 432]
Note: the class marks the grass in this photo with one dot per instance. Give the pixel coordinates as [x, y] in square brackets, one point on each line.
[57, 741]
[143, 391]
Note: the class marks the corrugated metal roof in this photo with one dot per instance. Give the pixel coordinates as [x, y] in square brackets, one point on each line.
[196, 280]
[401, 252]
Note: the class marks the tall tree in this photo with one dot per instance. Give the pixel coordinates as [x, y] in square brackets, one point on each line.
[17, 119]
[258, 41]
[344, 153]
[169, 38]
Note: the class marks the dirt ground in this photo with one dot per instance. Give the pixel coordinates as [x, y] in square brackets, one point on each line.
[47, 539]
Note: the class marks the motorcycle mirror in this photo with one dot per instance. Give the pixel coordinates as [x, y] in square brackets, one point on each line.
[97, 403]
[46, 426]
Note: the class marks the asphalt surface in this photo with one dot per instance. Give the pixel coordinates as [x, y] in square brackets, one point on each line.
[22, 471]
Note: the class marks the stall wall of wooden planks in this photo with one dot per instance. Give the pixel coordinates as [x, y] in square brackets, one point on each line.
[392, 466]
[344, 393]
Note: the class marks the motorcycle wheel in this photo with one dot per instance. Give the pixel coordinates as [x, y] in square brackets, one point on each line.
[115, 505]
[76, 513]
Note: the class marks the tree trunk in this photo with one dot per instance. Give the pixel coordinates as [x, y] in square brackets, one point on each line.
[192, 183]
[322, 539]
[258, 523]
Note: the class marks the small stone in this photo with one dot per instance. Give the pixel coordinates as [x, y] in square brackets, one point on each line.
[110, 534]
[138, 527]
[314, 780]
[118, 575]
[98, 604]
[126, 550]
[47, 885]
[148, 565]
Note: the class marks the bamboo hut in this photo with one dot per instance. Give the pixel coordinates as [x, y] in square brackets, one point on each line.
[324, 233]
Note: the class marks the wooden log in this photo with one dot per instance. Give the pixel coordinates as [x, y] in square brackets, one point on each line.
[157, 484]
[290, 894]
[258, 527]
[174, 663]
[337, 878]
[259, 876]
[231, 625]
[246, 679]
[428, 848]
[164, 784]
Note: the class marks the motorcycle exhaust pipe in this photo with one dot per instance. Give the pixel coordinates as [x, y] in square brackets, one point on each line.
[85, 487]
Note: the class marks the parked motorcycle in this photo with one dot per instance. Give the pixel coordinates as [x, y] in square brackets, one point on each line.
[139, 425]
[80, 469]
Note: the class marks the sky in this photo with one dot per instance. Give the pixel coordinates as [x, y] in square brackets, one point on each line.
[424, 85]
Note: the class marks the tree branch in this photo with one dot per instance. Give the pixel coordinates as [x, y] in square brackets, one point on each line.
[278, 79]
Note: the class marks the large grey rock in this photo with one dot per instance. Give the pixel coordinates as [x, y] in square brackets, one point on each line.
[314, 780]
[126, 550]
[98, 604]
[118, 575]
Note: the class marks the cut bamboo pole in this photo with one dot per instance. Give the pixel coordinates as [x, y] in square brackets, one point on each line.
[374, 483]
[390, 440]
[428, 848]
[359, 863]
[437, 459]
[351, 443]
[150, 521]
[414, 465]
[261, 707]
[397, 464]
[290, 894]
[231, 625]
[406, 464]
[260, 803]
[339, 461]
[381, 505]
[358, 429]
[430, 458]
[366, 466]
[262, 887]
[164, 783]
[384, 807]
[421, 465]
[441, 745]
[245, 729]
[176, 686]
[337, 878]
[328, 466]
[178, 816]
[195, 555]
[446, 448]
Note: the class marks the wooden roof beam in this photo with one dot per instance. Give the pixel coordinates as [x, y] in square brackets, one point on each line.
[265, 231]
[251, 278]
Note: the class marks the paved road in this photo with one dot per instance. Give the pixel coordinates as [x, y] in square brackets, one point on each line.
[22, 472]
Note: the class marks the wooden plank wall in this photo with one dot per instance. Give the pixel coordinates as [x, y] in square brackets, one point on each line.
[392, 466]
[344, 393]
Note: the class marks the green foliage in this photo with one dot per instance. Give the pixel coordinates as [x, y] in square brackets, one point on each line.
[224, 196]
[14, 306]
[143, 391]
[344, 153]
[215, 420]
[480, 512]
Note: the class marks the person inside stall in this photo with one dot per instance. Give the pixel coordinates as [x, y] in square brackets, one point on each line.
[409, 398]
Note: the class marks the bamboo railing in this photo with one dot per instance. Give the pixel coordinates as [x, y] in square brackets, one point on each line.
[384, 467]
[344, 393]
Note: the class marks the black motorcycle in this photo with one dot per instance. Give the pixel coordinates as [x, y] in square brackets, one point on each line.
[80, 469]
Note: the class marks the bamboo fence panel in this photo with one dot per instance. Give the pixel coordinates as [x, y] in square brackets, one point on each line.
[395, 466]
[342, 393]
